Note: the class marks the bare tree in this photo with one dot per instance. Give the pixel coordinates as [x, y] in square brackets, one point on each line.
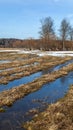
[64, 31]
[47, 28]
[71, 33]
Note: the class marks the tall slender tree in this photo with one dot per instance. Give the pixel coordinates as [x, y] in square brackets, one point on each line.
[47, 29]
[64, 31]
[71, 33]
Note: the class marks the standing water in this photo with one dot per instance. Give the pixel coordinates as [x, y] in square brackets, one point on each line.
[30, 78]
[14, 116]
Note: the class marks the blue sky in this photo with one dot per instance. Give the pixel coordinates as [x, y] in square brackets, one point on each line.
[21, 18]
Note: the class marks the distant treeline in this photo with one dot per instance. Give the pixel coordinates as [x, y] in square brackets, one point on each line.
[41, 44]
[48, 39]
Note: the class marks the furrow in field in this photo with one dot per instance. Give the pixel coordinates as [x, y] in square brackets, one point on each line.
[9, 96]
[26, 71]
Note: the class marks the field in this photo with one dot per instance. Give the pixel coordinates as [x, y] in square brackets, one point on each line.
[36, 91]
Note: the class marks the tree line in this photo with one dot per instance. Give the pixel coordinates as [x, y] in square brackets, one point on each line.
[48, 39]
[47, 30]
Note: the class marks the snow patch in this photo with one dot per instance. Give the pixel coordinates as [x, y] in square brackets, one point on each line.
[41, 53]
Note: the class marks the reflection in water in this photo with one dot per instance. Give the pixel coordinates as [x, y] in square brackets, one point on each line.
[31, 77]
[46, 71]
[18, 82]
[49, 93]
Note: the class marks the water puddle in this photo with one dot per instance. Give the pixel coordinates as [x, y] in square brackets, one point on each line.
[49, 93]
[26, 65]
[18, 82]
[4, 61]
[27, 79]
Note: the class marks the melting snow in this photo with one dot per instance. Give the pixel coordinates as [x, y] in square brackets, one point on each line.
[41, 53]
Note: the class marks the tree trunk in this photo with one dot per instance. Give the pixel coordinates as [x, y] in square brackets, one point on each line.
[63, 45]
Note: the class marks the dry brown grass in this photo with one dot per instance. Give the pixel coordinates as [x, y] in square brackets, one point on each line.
[15, 56]
[2, 110]
[25, 71]
[18, 63]
[9, 96]
[58, 116]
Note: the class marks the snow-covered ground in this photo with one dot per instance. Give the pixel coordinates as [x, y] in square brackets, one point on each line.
[51, 53]
[40, 53]
[57, 53]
